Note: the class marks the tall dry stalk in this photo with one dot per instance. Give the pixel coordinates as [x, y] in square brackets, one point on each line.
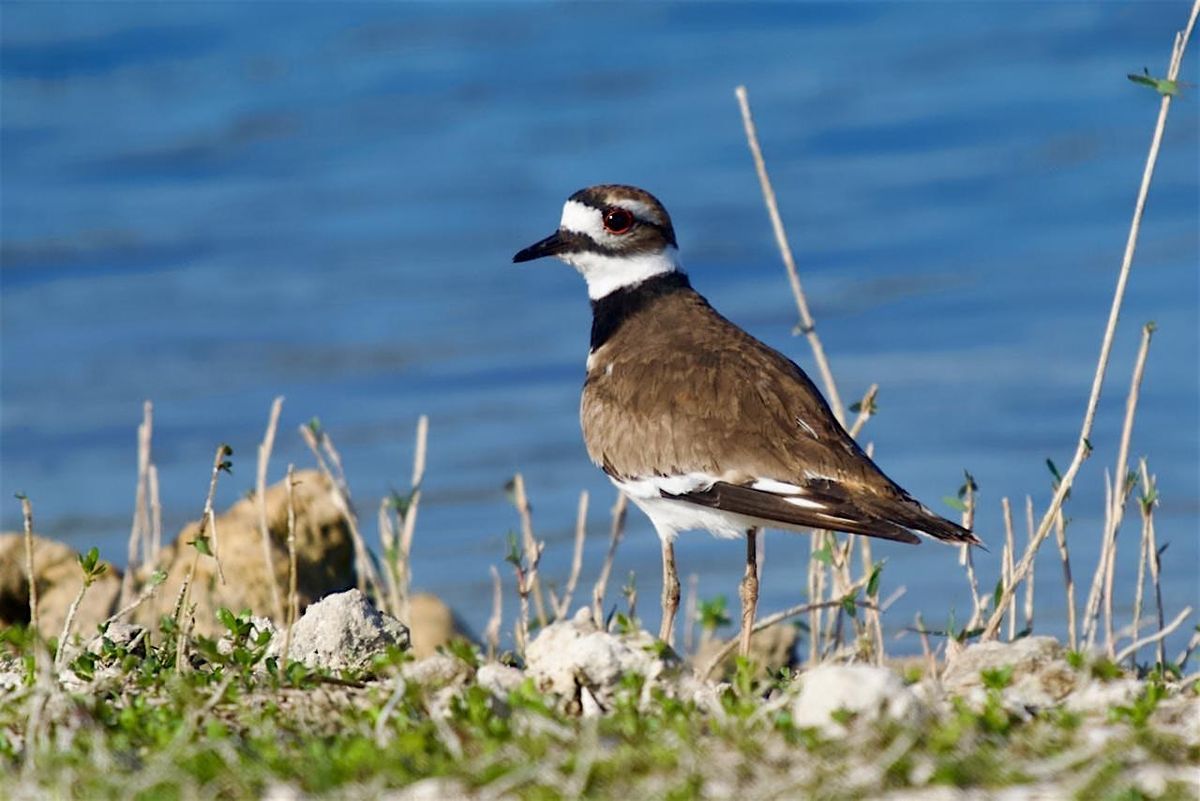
[1123, 483]
[616, 532]
[562, 606]
[807, 325]
[1148, 501]
[30, 576]
[1060, 535]
[293, 601]
[329, 461]
[529, 544]
[403, 570]
[260, 497]
[140, 533]
[1083, 447]
[1007, 566]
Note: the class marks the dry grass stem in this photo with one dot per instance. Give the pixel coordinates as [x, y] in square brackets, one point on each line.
[404, 569]
[866, 410]
[326, 454]
[1083, 447]
[388, 539]
[563, 607]
[1123, 481]
[140, 532]
[1007, 568]
[72, 610]
[529, 545]
[260, 497]
[931, 667]
[30, 576]
[1156, 637]
[148, 591]
[967, 559]
[1029, 532]
[616, 532]
[293, 602]
[182, 616]
[807, 325]
[155, 514]
[208, 523]
[778, 617]
[1153, 554]
[491, 633]
[1060, 533]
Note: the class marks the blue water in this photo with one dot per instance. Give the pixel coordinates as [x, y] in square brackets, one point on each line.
[208, 205]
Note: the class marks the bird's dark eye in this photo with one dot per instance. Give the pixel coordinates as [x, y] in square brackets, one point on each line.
[617, 220]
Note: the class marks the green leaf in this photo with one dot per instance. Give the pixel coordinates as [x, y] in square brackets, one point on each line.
[873, 581]
[513, 556]
[954, 503]
[824, 554]
[201, 545]
[997, 678]
[88, 560]
[1163, 86]
[848, 604]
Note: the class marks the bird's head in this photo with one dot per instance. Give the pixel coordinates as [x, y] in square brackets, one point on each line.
[615, 236]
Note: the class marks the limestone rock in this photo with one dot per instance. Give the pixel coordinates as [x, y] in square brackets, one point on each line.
[59, 577]
[1041, 675]
[324, 557]
[342, 631]
[438, 670]
[499, 679]
[870, 693]
[572, 654]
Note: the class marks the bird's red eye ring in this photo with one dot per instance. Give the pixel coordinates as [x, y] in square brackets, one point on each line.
[617, 220]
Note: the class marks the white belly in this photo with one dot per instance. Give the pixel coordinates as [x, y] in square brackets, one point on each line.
[669, 516]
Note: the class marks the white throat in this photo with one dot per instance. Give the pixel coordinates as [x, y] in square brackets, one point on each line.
[605, 274]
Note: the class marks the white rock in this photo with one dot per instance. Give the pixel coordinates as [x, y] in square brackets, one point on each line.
[1041, 676]
[343, 630]
[574, 653]
[435, 671]
[1100, 696]
[871, 693]
[433, 789]
[499, 679]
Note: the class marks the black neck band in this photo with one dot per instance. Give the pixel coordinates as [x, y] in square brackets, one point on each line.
[610, 311]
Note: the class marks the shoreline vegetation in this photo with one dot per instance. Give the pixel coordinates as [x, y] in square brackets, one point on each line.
[269, 653]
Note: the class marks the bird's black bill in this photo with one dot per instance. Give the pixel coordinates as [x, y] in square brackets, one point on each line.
[550, 246]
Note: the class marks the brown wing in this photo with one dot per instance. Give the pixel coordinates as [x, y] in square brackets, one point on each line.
[678, 389]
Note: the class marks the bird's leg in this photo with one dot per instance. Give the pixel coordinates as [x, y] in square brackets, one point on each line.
[670, 593]
[749, 591]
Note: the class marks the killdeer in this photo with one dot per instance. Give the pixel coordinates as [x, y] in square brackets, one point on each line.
[699, 423]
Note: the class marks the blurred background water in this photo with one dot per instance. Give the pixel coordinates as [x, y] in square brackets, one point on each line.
[208, 205]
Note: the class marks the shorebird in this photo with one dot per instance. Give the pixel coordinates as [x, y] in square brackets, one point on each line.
[700, 424]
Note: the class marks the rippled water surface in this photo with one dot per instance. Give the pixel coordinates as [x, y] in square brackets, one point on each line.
[210, 205]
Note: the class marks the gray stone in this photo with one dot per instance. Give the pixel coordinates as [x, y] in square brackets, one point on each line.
[341, 631]
[870, 693]
[499, 679]
[1041, 676]
[574, 653]
[438, 670]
